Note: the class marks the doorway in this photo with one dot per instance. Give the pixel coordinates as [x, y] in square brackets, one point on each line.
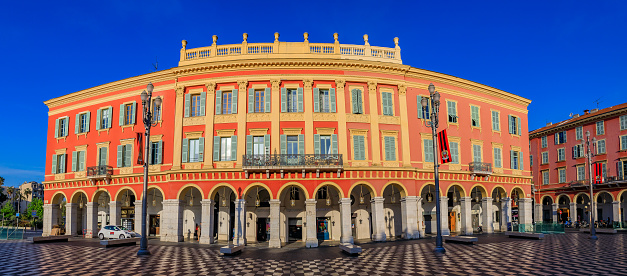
[295, 229]
[263, 229]
[154, 227]
[322, 224]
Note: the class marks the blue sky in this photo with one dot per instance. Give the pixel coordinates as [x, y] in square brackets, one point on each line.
[563, 55]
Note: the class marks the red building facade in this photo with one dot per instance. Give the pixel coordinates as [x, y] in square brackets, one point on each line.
[288, 141]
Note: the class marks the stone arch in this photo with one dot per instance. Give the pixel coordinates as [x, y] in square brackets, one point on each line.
[182, 189]
[521, 192]
[459, 188]
[55, 199]
[151, 187]
[216, 189]
[76, 193]
[560, 196]
[620, 194]
[257, 184]
[329, 183]
[596, 196]
[97, 193]
[403, 188]
[542, 199]
[367, 184]
[576, 197]
[483, 190]
[278, 195]
[427, 184]
[121, 192]
[499, 188]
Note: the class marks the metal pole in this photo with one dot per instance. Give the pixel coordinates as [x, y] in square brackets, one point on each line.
[143, 243]
[434, 125]
[593, 232]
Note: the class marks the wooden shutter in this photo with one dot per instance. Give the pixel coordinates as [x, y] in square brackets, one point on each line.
[133, 111]
[121, 115]
[251, 100]
[201, 149]
[66, 127]
[203, 102]
[519, 126]
[419, 106]
[185, 151]
[556, 138]
[316, 102]
[103, 156]
[317, 143]
[334, 143]
[283, 144]
[120, 156]
[76, 123]
[234, 101]
[355, 101]
[233, 148]
[54, 163]
[128, 155]
[619, 169]
[300, 99]
[98, 119]
[62, 165]
[266, 140]
[283, 99]
[511, 159]
[56, 128]
[160, 152]
[249, 145]
[301, 144]
[216, 148]
[509, 123]
[74, 160]
[267, 98]
[218, 102]
[332, 99]
[81, 161]
[88, 119]
[522, 162]
[188, 105]
[110, 120]
[386, 149]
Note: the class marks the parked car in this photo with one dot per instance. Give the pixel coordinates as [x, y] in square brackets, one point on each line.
[116, 232]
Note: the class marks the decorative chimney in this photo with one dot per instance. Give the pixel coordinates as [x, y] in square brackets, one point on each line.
[586, 112]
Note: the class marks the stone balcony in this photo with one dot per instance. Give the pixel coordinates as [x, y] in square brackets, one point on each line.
[293, 162]
[480, 169]
[96, 173]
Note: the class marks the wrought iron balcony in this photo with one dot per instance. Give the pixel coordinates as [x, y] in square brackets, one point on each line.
[480, 168]
[293, 162]
[99, 173]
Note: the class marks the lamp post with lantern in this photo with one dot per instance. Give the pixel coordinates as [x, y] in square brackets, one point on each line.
[589, 155]
[434, 100]
[148, 123]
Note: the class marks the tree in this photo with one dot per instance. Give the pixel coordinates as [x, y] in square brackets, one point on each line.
[36, 205]
[8, 211]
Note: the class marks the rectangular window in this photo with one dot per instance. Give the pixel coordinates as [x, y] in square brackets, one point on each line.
[581, 173]
[515, 160]
[78, 161]
[325, 101]
[476, 153]
[154, 153]
[292, 144]
[259, 146]
[544, 142]
[545, 178]
[452, 111]
[454, 152]
[63, 125]
[561, 154]
[498, 159]
[562, 175]
[601, 147]
[195, 105]
[357, 101]
[102, 156]
[325, 144]
[292, 100]
[545, 157]
[390, 148]
[387, 103]
[260, 101]
[623, 122]
[604, 170]
[600, 128]
[156, 112]
[560, 137]
[128, 114]
[58, 163]
[227, 104]
[514, 125]
[225, 148]
[623, 142]
[125, 156]
[424, 112]
[428, 150]
[359, 147]
[474, 115]
[579, 133]
[531, 160]
[577, 151]
[105, 118]
[496, 124]
[82, 123]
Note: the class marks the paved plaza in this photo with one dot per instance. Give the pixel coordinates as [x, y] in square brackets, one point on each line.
[560, 254]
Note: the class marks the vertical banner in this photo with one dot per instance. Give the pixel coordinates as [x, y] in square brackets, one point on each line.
[445, 153]
[140, 147]
[598, 173]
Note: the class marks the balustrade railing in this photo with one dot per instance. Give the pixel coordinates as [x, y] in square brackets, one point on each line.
[293, 161]
[480, 167]
[99, 171]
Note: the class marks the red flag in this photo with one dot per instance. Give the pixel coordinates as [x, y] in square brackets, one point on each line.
[445, 151]
[139, 146]
[598, 173]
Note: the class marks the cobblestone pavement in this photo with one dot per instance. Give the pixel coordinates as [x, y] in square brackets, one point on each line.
[560, 254]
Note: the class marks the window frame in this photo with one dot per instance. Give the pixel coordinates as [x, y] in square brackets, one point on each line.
[291, 100]
[428, 151]
[561, 175]
[543, 154]
[579, 133]
[324, 96]
[104, 120]
[598, 147]
[583, 168]
[546, 177]
[63, 124]
[128, 114]
[623, 122]
[622, 140]
[496, 123]
[82, 122]
[225, 149]
[227, 105]
[472, 119]
[561, 154]
[452, 118]
[600, 128]
[260, 100]
[498, 164]
[544, 141]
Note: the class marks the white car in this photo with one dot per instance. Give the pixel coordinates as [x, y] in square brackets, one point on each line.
[116, 232]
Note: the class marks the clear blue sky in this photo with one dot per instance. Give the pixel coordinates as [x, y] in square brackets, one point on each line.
[563, 55]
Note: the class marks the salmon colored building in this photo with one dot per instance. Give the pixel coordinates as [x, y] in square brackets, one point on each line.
[561, 173]
[287, 141]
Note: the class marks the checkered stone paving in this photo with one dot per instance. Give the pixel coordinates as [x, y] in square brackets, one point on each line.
[561, 254]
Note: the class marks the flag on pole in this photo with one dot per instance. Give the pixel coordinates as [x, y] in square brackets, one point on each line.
[445, 153]
[598, 173]
[140, 155]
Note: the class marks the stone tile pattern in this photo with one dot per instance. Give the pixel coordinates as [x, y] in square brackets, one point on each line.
[565, 254]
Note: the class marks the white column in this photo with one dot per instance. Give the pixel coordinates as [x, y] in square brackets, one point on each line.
[409, 210]
[378, 220]
[421, 217]
[486, 215]
[524, 212]
[444, 215]
[207, 221]
[616, 211]
[345, 218]
[115, 212]
[92, 220]
[138, 218]
[172, 221]
[554, 212]
[51, 211]
[538, 212]
[224, 221]
[275, 216]
[71, 210]
[310, 217]
[573, 211]
[466, 215]
[506, 212]
[239, 227]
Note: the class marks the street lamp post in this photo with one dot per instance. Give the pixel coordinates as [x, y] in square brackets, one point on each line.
[433, 123]
[147, 117]
[593, 232]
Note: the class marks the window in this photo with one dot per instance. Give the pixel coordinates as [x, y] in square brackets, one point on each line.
[292, 144]
[102, 156]
[224, 148]
[562, 175]
[260, 101]
[474, 115]
[579, 133]
[390, 148]
[423, 112]
[476, 153]
[452, 111]
[561, 154]
[82, 123]
[193, 150]
[560, 137]
[544, 142]
[623, 142]
[103, 118]
[156, 112]
[428, 150]
[227, 101]
[292, 100]
[454, 152]
[359, 147]
[325, 106]
[581, 173]
[600, 128]
[515, 156]
[578, 151]
[387, 103]
[601, 147]
[545, 177]
[61, 127]
[325, 144]
[259, 147]
[358, 106]
[78, 161]
[498, 161]
[514, 125]
[621, 167]
[127, 113]
[156, 153]
[195, 105]
[545, 157]
[623, 122]
[58, 163]
[496, 124]
[531, 160]
[324, 100]
[125, 156]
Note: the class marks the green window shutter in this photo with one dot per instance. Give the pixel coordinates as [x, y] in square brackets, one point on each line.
[249, 144]
[332, 96]
[216, 148]
[185, 151]
[67, 125]
[110, 121]
[98, 119]
[81, 161]
[283, 144]
[62, 165]
[203, 103]
[300, 99]
[233, 148]
[316, 102]
[334, 143]
[509, 123]
[54, 163]
[188, 104]
[556, 138]
[266, 140]
[356, 148]
[251, 100]
[386, 149]
[74, 160]
[362, 147]
[121, 115]
[120, 156]
[384, 103]
[56, 128]
[619, 168]
[419, 106]
[511, 159]
[88, 119]
[234, 101]
[522, 163]
[360, 100]
[317, 143]
[160, 152]
[519, 126]
[283, 99]
[201, 149]
[133, 112]
[301, 144]
[76, 123]
[267, 98]
[355, 101]
[128, 155]
[218, 102]
[393, 148]
[103, 156]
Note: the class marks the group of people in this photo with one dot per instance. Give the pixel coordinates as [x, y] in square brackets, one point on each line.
[583, 223]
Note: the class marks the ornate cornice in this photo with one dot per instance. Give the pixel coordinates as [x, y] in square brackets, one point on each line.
[242, 84]
[211, 88]
[340, 84]
[275, 84]
[307, 83]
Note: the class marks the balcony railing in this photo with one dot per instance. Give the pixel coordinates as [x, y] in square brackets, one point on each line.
[480, 168]
[293, 161]
[99, 173]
